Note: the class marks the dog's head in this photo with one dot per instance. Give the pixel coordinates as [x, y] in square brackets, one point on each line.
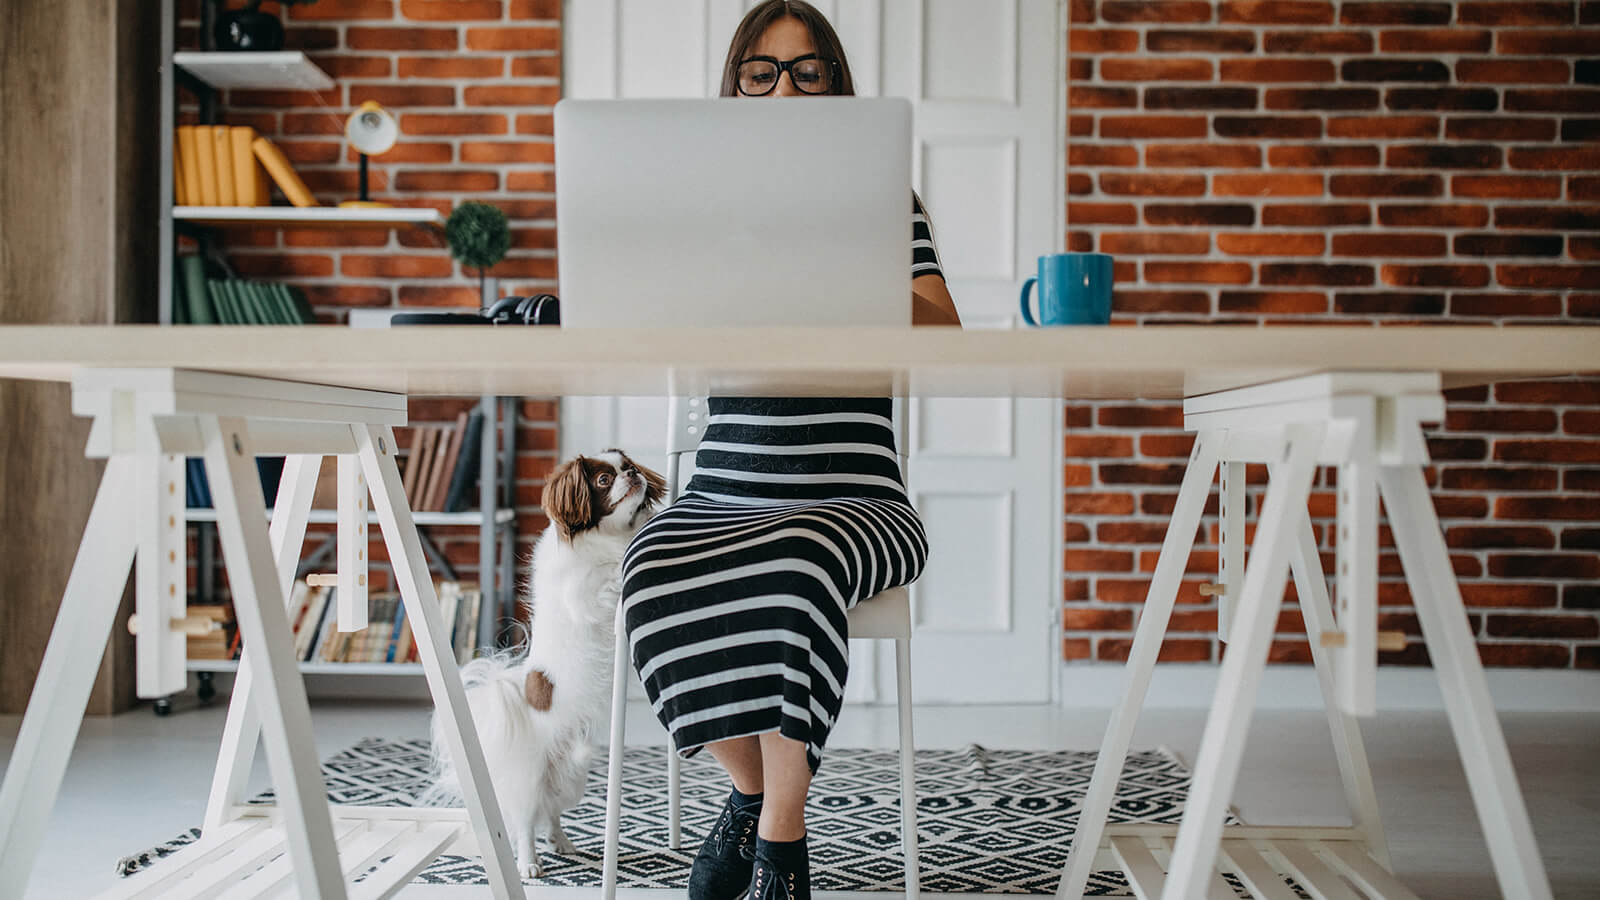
[608, 493]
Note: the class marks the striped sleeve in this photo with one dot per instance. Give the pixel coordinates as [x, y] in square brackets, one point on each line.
[924, 254]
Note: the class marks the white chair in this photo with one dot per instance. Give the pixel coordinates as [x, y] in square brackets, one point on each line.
[885, 616]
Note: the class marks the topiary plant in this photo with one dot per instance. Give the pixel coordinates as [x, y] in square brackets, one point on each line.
[479, 236]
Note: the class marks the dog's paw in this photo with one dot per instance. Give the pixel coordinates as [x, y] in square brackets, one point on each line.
[531, 869]
[564, 845]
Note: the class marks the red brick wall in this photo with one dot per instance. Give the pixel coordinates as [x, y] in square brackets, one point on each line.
[472, 83]
[1374, 162]
[1382, 162]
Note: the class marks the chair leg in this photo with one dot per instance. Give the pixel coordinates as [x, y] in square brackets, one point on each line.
[908, 766]
[674, 797]
[619, 722]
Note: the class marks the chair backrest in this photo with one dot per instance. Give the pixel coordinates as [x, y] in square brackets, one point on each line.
[687, 418]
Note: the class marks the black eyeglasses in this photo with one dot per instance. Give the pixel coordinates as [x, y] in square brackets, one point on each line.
[758, 75]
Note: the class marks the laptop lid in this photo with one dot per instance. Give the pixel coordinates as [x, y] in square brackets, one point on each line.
[734, 212]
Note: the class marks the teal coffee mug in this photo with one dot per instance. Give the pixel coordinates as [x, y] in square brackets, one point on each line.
[1074, 289]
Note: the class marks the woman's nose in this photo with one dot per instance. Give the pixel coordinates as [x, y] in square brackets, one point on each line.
[785, 86]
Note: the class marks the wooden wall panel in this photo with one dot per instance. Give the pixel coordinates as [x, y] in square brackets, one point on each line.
[78, 113]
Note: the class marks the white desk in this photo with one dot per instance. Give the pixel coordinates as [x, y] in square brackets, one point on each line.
[1293, 398]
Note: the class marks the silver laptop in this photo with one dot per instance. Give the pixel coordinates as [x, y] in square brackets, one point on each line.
[729, 212]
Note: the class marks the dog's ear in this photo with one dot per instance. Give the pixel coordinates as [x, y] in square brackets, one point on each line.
[539, 690]
[655, 487]
[566, 499]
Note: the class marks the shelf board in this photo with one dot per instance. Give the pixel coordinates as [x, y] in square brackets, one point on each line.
[275, 70]
[315, 668]
[331, 517]
[310, 216]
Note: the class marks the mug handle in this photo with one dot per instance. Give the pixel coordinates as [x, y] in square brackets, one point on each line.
[1027, 315]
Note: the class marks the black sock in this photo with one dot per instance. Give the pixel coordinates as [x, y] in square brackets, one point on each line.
[722, 867]
[783, 869]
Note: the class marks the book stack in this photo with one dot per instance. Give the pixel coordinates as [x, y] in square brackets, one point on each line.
[442, 466]
[229, 165]
[313, 614]
[200, 300]
[215, 644]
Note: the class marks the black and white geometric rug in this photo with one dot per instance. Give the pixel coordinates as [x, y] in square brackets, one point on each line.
[989, 821]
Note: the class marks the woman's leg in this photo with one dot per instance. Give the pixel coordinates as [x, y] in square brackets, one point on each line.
[786, 776]
[741, 757]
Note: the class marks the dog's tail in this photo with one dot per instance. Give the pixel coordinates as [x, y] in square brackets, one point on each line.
[495, 700]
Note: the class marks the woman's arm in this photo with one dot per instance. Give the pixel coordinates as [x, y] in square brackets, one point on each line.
[931, 303]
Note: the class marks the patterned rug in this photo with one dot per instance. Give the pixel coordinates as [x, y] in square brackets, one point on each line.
[990, 821]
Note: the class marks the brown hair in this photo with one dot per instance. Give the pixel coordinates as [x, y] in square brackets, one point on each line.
[756, 22]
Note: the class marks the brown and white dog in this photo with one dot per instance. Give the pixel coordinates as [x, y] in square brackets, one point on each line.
[535, 709]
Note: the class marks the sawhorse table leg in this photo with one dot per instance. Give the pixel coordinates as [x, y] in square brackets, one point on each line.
[1369, 425]
[143, 417]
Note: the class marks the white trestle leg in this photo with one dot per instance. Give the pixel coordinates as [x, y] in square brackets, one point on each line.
[263, 623]
[242, 730]
[1355, 774]
[145, 422]
[377, 449]
[1153, 620]
[1454, 652]
[66, 675]
[1369, 425]
[1222, 745]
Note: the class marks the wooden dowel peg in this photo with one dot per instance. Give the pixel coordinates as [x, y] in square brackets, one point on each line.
[1213, 590]
[322, 580]
[1387, 640]
[190, 625]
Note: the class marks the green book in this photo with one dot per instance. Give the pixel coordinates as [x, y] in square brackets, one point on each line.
[230, 289]
[302, 306]
[265, 315]
[221, 303]
[195, 294]
[247, 302]
[295, 313]
[283, 312]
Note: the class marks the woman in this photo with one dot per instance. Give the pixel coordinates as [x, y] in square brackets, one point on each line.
[735, 596]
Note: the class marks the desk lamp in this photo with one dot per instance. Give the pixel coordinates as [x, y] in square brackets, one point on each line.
[372, 131]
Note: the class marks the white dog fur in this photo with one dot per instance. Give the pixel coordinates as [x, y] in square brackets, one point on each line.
[535, 709]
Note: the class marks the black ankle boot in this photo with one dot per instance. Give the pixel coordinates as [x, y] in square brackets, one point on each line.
[783, 871]
[722, 868]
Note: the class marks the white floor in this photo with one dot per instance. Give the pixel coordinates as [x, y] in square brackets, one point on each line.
[136, 780]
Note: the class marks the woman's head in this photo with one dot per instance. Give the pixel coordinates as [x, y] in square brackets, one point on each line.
[785, 48]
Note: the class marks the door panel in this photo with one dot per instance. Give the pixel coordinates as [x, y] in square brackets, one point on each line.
[986, 81]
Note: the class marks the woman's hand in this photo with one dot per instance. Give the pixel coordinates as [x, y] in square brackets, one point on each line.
[931, 303]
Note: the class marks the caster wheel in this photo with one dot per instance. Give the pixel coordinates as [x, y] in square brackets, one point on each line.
[164, 706]
[207, 691]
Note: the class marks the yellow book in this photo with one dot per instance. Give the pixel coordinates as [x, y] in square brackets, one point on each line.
[188, 153]
[205, 157]
[180, 189]
[283, 174]
[249, 182]
[223, 154]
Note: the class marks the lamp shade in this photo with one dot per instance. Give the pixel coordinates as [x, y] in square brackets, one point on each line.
[370, 129]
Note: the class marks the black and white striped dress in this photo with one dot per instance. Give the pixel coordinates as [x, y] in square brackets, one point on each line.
[735, 595]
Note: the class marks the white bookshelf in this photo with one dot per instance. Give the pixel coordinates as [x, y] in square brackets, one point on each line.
[277, 70]
[331, 517]
[316, 668]
[310, 216]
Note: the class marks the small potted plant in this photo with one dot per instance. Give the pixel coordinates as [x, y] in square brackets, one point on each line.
[249, 28]
[479, 237]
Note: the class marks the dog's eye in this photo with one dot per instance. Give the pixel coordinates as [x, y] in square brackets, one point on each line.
[603, 480]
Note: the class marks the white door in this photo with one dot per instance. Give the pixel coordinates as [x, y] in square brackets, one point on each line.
[986, 80]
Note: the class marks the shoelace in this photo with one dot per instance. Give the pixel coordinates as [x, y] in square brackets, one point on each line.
[772, 886]
[735, 824]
